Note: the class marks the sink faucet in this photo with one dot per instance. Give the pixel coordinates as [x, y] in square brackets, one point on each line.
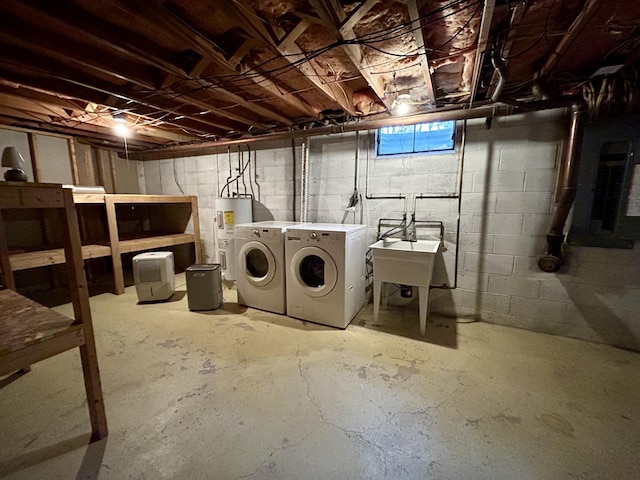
[409, 231]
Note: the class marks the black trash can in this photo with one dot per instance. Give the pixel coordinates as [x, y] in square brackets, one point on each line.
[204, 286]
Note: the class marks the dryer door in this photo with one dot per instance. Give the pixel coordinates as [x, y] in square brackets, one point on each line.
[314, 271]
[257, 263]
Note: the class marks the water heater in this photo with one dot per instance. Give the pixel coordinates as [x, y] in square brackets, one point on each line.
[229, 212]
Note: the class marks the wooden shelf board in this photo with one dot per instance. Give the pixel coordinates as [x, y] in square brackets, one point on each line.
[41, 258]
[24, 322]
[149, 243]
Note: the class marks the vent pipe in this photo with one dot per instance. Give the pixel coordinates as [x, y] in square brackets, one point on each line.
[553, 259]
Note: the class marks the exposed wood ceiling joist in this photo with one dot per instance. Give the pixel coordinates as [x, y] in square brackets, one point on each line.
[193, 71]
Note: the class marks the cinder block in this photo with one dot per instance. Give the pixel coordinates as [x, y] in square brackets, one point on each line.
[541, 180]
[479, 202]
[538, 309]
[519, 245]
[536, 223]
[476, 242]
[525, 202]
[473, 281]
[529, 158]
[442, 183]
[514, 286]
[489, 263]
[483, 302]
[481, 160]
[499, 181]
[497, 223]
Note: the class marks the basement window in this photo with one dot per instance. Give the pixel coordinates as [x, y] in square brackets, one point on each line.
[420, 138]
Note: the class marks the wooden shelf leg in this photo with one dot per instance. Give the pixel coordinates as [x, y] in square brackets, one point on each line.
[82, 311]
[93, 389]
[114, 241]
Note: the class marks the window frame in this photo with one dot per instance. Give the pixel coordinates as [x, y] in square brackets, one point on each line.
[453, 148]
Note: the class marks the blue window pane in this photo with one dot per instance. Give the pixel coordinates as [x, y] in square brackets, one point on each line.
[424, 137]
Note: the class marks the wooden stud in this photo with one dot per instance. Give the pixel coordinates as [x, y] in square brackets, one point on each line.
[82, 311]
[114, 242]
[74, 161]
[7, 273]
[35, 156]
[196, 228]
[100, 162]
[112, 170]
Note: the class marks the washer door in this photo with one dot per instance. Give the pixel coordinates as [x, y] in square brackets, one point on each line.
[257, 263]
[314, 270]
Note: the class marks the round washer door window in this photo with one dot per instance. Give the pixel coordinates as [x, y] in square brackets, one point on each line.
[257, 263]
[314, 270]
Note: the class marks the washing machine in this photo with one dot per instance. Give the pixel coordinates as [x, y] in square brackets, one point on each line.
[261, 276]
[326, 272]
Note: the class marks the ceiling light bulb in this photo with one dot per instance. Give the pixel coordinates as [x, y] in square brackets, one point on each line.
[121, 130]
[402, 109]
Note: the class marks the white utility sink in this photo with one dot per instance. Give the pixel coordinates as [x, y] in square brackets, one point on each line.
[407, 263]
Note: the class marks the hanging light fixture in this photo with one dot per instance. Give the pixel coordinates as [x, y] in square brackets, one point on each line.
[120, 128]
[12, 159]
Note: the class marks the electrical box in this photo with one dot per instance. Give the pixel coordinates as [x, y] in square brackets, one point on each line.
[606, 211]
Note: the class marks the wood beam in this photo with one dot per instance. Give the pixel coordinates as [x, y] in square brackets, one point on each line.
[290, 38]
[333, 14]
[260, 80]
[356, 16]
[416, 27]
[71, 143]
[237, 56]
[483, 36]
[34, 152]
[78, 56]
[149, 13]
[590, 8]
[81, 85]
[44, 14]
[312, 71]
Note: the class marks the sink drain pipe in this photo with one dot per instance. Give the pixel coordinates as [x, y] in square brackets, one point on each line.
[553, 259]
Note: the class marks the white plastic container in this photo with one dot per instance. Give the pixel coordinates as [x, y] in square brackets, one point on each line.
[154, 276]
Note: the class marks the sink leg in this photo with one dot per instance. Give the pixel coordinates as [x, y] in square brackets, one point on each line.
[385, 295]
[423, 297]
[377, 284]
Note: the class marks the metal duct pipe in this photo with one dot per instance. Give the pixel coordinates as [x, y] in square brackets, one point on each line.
[304, 181]
[553, 259]
[487, 111]
[501, 71]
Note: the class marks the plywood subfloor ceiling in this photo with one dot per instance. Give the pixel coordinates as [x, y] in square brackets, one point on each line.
[201, 71]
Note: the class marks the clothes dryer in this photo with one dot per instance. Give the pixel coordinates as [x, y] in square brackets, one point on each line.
[326, 272]
[261, 277]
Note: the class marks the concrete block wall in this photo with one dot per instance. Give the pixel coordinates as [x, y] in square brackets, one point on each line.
[507, 204]
[206, 175]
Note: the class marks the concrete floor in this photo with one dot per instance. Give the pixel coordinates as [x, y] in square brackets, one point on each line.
[238, 393]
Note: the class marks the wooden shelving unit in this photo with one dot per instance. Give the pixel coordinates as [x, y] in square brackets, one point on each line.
[105, 225]
[30, 332]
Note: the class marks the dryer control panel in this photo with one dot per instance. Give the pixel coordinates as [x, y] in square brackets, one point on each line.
[318, 237]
